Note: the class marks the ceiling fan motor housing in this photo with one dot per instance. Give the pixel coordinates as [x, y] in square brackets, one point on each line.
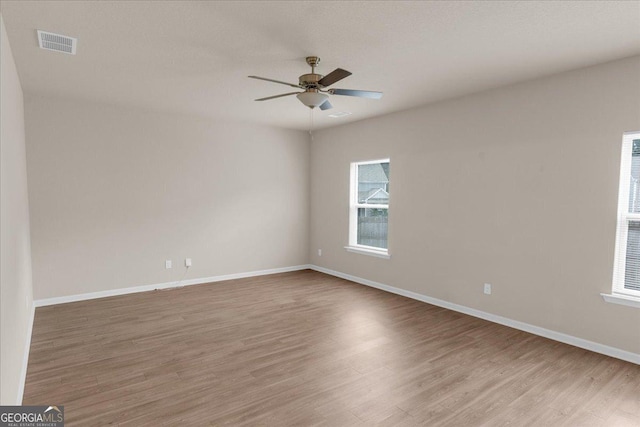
[310, 80]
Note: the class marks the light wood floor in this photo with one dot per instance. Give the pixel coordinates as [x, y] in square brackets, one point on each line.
[305, 348]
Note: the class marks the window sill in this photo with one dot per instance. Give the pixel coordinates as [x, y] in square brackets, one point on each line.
[370, 252]
[621, 299]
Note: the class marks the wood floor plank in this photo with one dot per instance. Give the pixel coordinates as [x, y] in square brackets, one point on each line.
[305, 348]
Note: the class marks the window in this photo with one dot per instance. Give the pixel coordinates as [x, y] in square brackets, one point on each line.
[369, 208]
[626, 275]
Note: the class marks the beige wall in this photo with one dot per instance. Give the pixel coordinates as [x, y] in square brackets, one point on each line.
[115, 192]
[15, 276]
[516, 187]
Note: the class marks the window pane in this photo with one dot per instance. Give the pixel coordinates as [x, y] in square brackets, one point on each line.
[634, 185]
[632, 269]
[373, 184]
[372, 227]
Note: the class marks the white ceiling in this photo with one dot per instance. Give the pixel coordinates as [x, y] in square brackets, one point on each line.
[194, 57]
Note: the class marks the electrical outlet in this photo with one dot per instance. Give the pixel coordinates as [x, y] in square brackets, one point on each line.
[319, 252]
[487, 288]
[167, 264]
[187, 262]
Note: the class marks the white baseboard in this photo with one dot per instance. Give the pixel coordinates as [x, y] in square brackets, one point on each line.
[536, 330]
[25, 356]
[123, 291]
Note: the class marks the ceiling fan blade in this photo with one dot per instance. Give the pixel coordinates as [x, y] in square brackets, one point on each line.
[326, 105]
[277, 96]
[359, 93]
[274, 81]
[334, 76]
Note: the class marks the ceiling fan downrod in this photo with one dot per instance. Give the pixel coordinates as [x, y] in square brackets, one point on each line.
[313, 61]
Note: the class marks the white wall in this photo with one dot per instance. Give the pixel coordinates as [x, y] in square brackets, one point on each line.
[115, 192]
[516, 187]
[15, 276]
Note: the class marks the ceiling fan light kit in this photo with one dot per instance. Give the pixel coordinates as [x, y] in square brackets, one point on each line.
[312, 99]
[314, 95]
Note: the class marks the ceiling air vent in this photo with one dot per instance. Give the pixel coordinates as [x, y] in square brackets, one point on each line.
[57, 42]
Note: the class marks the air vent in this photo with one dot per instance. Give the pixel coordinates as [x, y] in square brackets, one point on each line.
[57, 42]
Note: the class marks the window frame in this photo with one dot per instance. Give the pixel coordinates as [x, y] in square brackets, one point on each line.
[354, 205]
[623, 219]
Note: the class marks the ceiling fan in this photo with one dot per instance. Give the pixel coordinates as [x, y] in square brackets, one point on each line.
[314, 85]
